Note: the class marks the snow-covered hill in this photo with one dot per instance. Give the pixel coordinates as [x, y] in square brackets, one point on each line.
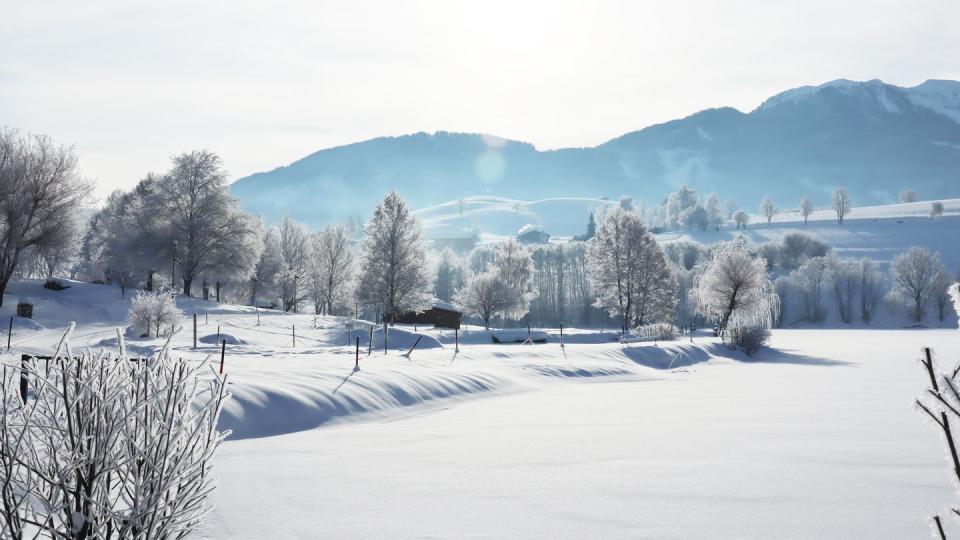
[879, 232]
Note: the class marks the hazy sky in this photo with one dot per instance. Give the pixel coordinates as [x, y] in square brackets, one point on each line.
[266, 83]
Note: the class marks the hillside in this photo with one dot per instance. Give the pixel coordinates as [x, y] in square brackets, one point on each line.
[873, 138]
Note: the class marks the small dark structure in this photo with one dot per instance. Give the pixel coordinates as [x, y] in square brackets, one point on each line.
[441, 315]
[533, 236]
[25, 309]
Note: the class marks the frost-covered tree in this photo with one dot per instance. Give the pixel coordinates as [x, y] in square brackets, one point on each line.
[742, 219]
[265, 273]
[39, 187]
[909, 196]
[294, 241]
[513, 262]
[714, 210]
[842, 204]
[449, 274]
[797, 248]
[480, 258]
[734, 289]
[914, 274]
[729, 208]
[394, 275]
[844, 278]
[806, 208]
[684, 253]
[871, 288]
[696, 218]
[768, 209]
[679, 203]
[330, 268]
[936, 209]
[810, 280]
[214, 236]
[941, 293]
[627, 268]
[485, 295]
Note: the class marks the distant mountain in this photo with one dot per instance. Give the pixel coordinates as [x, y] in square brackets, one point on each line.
[871, 137]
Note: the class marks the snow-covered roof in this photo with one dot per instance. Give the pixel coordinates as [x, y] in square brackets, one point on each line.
[440, 304]
[529, 227]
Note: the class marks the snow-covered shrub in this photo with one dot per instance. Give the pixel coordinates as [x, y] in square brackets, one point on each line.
[749, 338]
[660, 331]
[153, 311]
[106, 447]
[54, 284]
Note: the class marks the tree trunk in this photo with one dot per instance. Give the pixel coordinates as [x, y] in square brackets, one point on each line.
[150, 280]
[186, 286]
[218, 292]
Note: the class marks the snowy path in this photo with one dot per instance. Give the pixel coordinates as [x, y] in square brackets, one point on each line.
[821, 442]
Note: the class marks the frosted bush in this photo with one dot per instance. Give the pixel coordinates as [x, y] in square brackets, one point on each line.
[106, 447]
[658, 331]
[153, 312]
[749, 338]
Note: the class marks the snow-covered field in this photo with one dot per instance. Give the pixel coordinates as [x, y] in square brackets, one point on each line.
[814, 437]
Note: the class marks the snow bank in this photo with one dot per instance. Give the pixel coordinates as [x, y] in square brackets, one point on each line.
[307, 399]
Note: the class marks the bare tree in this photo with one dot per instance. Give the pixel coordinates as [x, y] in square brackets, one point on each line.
[264, 274]
[936, 209]
[39, 185]
[484, 296]
[844, 279]
[331, 268]
[871, 288]
[294, 255]
[806, 208]
[768, 209]
[514, 264]
[914, 274]
[841, 203]
[213, 234]
[909, 196]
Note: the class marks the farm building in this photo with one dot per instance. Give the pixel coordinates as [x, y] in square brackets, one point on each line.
[441, 314]
[530, 234]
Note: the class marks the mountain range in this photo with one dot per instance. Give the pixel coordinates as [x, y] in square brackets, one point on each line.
[873, 138]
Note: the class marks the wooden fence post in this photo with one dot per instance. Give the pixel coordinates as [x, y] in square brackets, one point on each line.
[24, 362]
[223, 352]
[370, 342]
[414, 345]
[9, 333]
[294, 329]
[258, 315]
[194, 330]
[218, 333]
[456, 340]
[356, 362]
[561, 335]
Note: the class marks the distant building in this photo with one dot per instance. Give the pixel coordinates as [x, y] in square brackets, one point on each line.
[530, 234]
[441, 315]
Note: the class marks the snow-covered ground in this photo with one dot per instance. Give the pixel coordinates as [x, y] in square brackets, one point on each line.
[814, 437]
